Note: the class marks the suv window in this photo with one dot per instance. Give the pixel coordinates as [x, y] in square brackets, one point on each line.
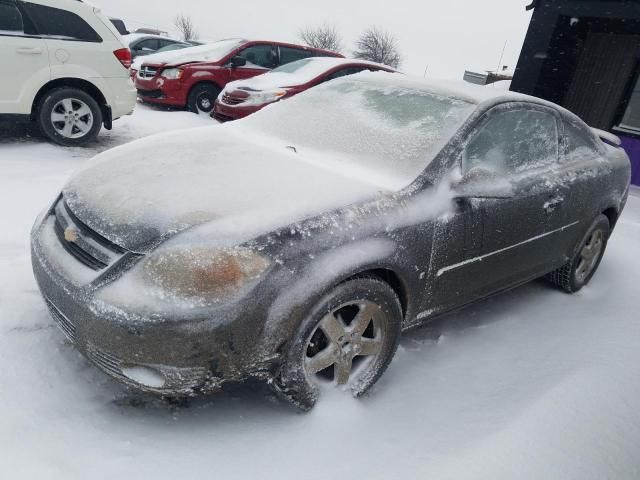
[53, 22]
[514, 141]
[289, 54]
[10, 19]
[260, 55]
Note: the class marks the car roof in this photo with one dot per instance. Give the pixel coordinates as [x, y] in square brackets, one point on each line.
[134, 37]
[475, 94]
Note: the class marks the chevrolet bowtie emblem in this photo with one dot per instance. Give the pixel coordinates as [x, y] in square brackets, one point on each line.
[71, 235]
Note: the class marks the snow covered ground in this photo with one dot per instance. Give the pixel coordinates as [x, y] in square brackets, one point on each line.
[532, 384]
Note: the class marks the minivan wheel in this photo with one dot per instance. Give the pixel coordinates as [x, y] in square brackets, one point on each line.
[578, 272]
[69, 117]
[202, 98]
[347, 341]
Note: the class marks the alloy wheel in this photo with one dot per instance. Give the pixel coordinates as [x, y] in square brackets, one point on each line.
[345, 343]
[590, 255]
[72, 118]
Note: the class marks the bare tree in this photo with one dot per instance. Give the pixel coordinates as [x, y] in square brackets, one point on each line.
[323, 36]
[186, 27]
[378, 45]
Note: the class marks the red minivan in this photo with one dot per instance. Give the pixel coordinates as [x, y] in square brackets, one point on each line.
[194, 77]
[244, 97]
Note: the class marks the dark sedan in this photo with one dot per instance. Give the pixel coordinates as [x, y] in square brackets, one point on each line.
[296, 245]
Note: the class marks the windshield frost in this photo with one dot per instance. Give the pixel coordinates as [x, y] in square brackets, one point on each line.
[392, 133]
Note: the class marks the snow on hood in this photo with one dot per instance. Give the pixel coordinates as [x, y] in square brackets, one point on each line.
[202, 53]
[297, 73]
[141, 193]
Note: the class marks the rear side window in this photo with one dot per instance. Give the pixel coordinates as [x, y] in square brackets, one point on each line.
[288, 54]
[10, 19]
[60, 24]
[261, 56]
[514, 141]
[578, 144]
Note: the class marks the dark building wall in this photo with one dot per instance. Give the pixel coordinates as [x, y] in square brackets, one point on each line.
[585, 56]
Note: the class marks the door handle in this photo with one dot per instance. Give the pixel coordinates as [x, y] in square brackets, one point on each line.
[29, 50]
[553, 204]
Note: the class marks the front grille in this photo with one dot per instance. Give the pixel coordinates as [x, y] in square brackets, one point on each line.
[85, 245]
[147, 72]
[67, 327]
[229, 100]
[150, 93]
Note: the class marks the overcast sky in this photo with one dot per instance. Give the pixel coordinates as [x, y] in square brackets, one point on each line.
[449, 36]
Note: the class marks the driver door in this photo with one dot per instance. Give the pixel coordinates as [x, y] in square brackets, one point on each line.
[511, 238]
[260, 59]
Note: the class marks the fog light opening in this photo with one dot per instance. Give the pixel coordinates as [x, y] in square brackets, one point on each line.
[145, 376]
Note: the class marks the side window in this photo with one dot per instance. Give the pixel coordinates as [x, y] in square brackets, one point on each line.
[60, 24]
[513, 141]
[149, 45]
[10, 19]
[260, 56]
[344, 72]
[288, 54]
[578, 144]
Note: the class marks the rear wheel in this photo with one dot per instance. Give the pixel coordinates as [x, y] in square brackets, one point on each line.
[578, 272]
[347, 341]
[69, 117]
[202, 98]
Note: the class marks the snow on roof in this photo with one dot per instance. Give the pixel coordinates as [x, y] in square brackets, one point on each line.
[299, 73]
[202, 53]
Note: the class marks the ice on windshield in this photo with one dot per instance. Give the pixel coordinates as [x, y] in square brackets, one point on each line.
[388, 131]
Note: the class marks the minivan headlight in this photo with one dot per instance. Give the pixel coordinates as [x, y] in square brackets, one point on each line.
[173, 73]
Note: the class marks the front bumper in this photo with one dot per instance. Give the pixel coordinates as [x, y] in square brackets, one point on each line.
[161, 91]
[226, 113]
[192, 355]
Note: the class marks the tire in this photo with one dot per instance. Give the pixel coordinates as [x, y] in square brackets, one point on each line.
[579, 271]
[202, 98]
[69, 117]
[330, 336]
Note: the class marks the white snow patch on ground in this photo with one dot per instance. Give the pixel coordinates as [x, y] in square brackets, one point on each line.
[531, 384]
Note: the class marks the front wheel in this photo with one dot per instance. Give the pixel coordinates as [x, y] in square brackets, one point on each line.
[347, 341]
[579, 271]
[69, 117]
[202, 98]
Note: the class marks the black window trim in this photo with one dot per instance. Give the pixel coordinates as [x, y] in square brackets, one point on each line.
[26, 16]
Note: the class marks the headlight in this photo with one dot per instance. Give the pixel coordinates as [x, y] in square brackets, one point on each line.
[172, 73]
[201, 272]
[184, 278]
[259, 98]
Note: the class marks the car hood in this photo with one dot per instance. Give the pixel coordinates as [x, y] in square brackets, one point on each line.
[140, 194]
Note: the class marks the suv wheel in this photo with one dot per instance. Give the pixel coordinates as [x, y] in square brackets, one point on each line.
[347, 341]
[69, 117]
[202, 98]
[579, 271]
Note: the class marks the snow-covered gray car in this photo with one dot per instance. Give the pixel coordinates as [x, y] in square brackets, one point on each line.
[296, 245]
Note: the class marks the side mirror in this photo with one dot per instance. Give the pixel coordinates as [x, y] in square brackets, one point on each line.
[237, 62]
[482, 183]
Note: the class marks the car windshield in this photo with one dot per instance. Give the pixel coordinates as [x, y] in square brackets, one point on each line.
[203, 53]
[388, 134]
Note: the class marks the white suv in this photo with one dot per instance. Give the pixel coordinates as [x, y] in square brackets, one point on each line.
[63, 65]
